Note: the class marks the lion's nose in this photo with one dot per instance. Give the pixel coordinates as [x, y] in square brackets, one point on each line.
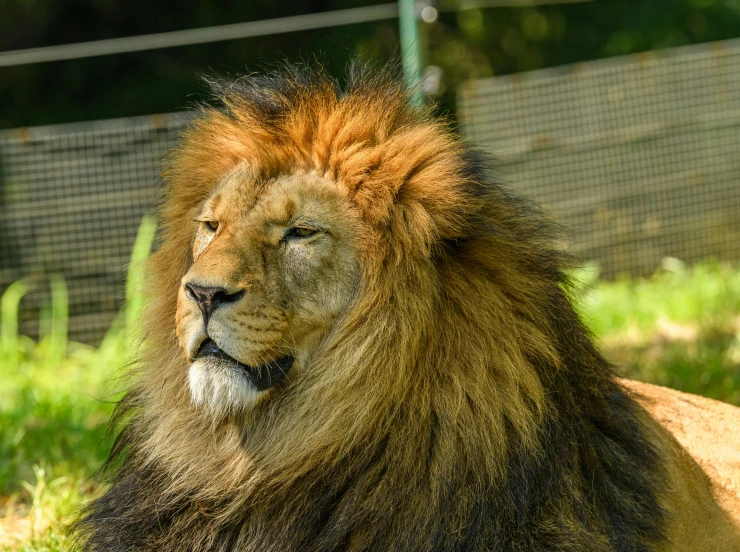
[209, 298]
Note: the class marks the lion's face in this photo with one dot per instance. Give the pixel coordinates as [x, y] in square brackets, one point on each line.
[274, 265]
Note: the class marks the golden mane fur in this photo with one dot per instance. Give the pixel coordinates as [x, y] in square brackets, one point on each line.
[458, 404]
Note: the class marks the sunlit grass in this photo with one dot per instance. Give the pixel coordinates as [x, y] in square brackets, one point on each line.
[707, 294]
[55, 400]
[679, 328]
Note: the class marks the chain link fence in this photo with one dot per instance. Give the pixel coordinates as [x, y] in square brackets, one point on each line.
[638, 156]
[71, 201]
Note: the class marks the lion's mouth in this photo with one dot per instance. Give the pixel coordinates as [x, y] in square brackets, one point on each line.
[262, 377]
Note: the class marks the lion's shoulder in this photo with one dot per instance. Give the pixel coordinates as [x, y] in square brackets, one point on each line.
[708, 430]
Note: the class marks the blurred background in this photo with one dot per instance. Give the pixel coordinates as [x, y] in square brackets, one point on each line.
[621, 117]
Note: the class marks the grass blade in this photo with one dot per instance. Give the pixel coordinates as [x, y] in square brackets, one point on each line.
[9, 306]
[135, 298]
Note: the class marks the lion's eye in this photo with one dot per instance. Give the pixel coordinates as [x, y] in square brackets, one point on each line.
[298, 232]
[210, 225]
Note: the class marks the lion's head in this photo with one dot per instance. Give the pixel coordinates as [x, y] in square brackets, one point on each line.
[359, 340]
[314, 244]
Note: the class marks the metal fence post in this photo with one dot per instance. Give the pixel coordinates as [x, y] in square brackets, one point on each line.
[410, 47]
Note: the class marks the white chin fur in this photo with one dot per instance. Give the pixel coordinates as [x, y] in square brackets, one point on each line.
[219, 388]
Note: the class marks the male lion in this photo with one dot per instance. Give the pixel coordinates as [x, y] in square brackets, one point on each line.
[358, 340]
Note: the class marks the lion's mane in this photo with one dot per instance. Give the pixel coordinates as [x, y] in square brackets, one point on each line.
[458, 405]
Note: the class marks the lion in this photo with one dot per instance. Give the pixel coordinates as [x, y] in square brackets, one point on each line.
[358, 339]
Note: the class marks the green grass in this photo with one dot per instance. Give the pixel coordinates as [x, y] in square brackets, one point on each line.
[679, 328]
[55, 401]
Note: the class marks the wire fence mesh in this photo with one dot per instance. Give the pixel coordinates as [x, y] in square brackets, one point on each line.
[638, 156]
[71, 200]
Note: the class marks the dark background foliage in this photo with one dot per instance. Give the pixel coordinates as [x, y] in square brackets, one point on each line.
[464, 43]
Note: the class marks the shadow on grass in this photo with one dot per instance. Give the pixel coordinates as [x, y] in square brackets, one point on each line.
[67, 434]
